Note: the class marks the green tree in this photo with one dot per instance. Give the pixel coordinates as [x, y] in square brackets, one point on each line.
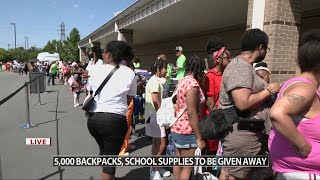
[68, 49]
[19, 54]
[4, 55]
[71, 46]
[33, 52]
[50, 47]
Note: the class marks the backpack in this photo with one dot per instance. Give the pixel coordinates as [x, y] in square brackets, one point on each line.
[166, 113]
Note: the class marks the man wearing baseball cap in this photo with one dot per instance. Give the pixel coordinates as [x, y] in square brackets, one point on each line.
[181, 63]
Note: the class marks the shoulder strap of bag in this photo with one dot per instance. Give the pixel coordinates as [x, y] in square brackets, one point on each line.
[105, 81]
[215, 101]
[176, 93]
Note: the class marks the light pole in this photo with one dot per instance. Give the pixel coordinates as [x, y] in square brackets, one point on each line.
[26, 43]
[15, 35]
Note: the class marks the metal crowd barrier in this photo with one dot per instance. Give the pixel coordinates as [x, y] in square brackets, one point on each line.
[28, 124]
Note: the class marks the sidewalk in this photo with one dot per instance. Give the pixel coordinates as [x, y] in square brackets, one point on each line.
[19, 161]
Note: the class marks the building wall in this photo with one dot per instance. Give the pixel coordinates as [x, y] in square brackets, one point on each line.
[310, 20]
[249, 14]
[192, 44]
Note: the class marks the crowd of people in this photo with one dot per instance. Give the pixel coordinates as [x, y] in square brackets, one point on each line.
[290, 110]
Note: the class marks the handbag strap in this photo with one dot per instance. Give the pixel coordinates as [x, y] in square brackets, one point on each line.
[215, 101]
[105, 81]
[198, 169]
[175, 93]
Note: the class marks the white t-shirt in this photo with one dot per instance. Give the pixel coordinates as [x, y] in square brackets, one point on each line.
[113, 96]
[60, 65]
[90, 68]
[91, 65]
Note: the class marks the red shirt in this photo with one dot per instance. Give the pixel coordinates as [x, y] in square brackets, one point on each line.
[213, 83]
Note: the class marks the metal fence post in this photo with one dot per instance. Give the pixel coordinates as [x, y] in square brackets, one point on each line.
[28, 124]
[39, 98]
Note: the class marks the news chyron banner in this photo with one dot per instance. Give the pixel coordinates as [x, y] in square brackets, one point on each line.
[165, 161]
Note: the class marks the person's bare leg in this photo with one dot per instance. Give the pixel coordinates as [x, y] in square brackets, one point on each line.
[177, 169]
[105, 176]
[155, 150]
[187, 170]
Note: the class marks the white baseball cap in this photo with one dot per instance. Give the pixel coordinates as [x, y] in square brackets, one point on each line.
[178, 48]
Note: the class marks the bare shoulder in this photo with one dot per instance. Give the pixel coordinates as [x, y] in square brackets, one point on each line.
[297, 99]
[300, 94]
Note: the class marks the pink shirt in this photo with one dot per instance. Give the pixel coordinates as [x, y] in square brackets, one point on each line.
[182, 126]
[287, 160]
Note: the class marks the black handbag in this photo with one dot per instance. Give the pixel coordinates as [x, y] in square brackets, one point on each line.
[89, 101]
[218, 123]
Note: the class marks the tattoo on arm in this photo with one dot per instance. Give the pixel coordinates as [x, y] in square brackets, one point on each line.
[295, 99]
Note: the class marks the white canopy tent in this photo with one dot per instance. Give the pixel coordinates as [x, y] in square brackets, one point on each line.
[47, 57]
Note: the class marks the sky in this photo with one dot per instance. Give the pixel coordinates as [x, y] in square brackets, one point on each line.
[40, 20]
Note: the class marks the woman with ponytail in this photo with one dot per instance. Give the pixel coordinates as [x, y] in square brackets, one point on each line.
[185, 132]
[154, 95]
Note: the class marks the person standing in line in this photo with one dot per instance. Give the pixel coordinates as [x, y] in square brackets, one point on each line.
[190, 99]
[243, 89]
[25, 69]
[221, 58]
[59, 72]
[66, 73]
[136, 63]
[129, 116]
[154, 95]
[95, 55]
[7, 65]
[294, 141]
[75, 89]
[11, 66]
[166, 86]
[52, 73]
[107, 118]
[263, 71]
[181, 63]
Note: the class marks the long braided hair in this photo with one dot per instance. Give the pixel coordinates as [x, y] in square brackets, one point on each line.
[195, 65]
[158, 64]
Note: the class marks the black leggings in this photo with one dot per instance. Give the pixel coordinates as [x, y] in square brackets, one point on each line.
[109, 130]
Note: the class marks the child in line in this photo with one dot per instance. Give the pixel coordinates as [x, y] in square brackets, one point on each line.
[74, 82]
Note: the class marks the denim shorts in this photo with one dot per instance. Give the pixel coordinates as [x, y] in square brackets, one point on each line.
[184, 141]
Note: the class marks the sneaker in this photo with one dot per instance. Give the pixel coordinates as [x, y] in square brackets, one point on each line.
[76, 105]
[125, 154]
[136, 134]
[155, 175]
[164, 173]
